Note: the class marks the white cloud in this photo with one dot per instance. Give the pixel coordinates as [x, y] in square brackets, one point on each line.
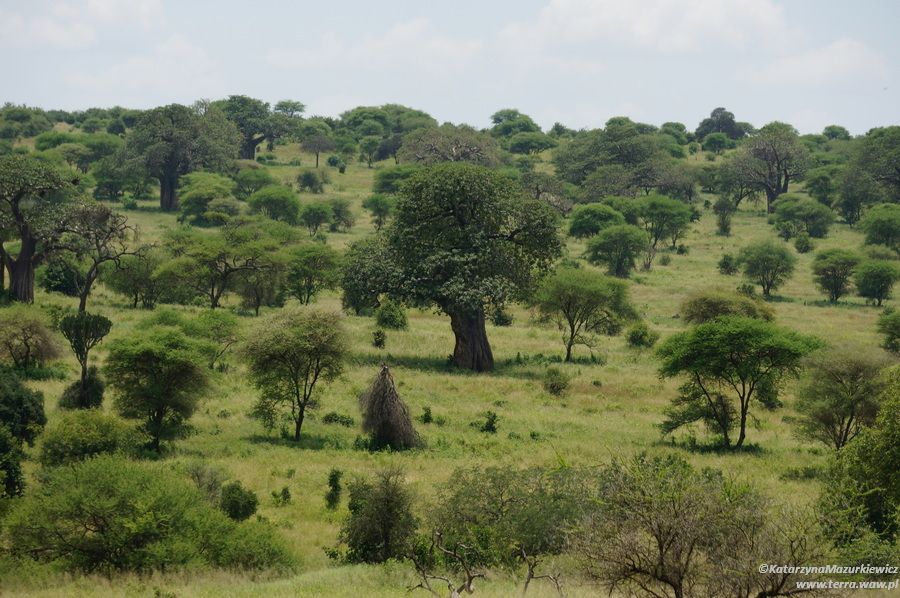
[73, 24]
[412, 43]
[840, 61]
[661, 25]
[173, 65]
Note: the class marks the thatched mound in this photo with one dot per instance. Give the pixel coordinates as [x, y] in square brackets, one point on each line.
[385, 416]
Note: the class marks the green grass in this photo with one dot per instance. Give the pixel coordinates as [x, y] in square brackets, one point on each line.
[610, 410]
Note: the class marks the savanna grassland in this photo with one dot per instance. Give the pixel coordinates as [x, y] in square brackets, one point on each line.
[612, 408]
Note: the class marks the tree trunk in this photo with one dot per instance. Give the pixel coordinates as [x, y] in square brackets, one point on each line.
[317, 159]
[743, 430]
[21, 273]
[298, 423]
[771, 196]
[472, 350]
[168, 193]
[248, 149]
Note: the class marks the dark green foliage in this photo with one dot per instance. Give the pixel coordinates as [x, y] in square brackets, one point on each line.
[316, 215]
[617, 247]
[889, 326]
[840, 395]
[391, 314]
[832, 270]
[641, 336]
[337, 418]
[794, 215]
[84, 394]
[310, 181]
[724, 209]
[715, 143]
[875, 279]
[250, 180]
[381, 523]
[84, 331]
[83, 434]
[720, 120]
[381, 207]
[237, 502]
[12, 481]
[803, 243]
[158, 378]
[153, 520]
[62, 274]
[388, 180]
[276, 202]
[588, 220]
[729, 363]
[584, 304]
[333, 496]
[469, 240]
[379, 337]
[136, 278]
[489, 425]
[342, 218]
[881, 224]
[281, 497]
[555, 381]
[768, 264]
[368, 271]
[21, 409]
[199, 191]
[385, 417]
[858, 190]
[727, 265]
[704, 306]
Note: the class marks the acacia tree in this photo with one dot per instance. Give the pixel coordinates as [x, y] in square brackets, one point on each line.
[583, 304]
[771, 159]
[465, 238]
[309, 269]
[84, 331]
[768, 264]
[840, 394]
[100, 235]
[288, 354]
[617, 246]
[158, 377]
[729, 363]
[32, 210]
[832, 271]
[174, 140]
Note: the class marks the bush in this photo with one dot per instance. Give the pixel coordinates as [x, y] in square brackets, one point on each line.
[881, 224]
[617, 247]
[803, 243]
[26, 340]
[333, 496]
[832, 271]
[388, 180]
[12, 481]
[728, 265]
[588, 220]
[238, 502]
[281, 497]
[889, 326]
[79, 435]
[21, 409]
[391, 314]
[768, 264]
[555, 381]
[707, 305]
[152, 520]
[62, 274]
[337, 418]
[276, 202]
[794, 215]
[309, 181]
[87, 396]
[640, 336]
[489, 426]
[665, 260]
[875, 279]
[381, 524]
[379, 337]
[385, 416]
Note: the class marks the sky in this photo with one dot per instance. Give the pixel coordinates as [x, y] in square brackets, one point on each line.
[807, 62]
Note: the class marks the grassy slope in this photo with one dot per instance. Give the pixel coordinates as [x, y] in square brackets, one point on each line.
[610, 411]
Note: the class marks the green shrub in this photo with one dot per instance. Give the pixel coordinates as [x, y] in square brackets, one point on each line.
[62, 274]
[21, 409]
[309, 181]
[489, 426]
[728, 264]
[391, 314]
[889, 326]
[83, 434]
[378, 338]
[803, 243]
[338, 418]
[704, 306]
[333, 496]
[238, 502]
[381, 524]
[152, 520]
[89, 396]
[281, 497]
[640, 335]
[555, 381]
[12, 482]
[875, 279]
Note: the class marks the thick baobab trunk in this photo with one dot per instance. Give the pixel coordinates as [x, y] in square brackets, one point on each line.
[472, 350]
[771, 196]
[21, 279]
[168, 193]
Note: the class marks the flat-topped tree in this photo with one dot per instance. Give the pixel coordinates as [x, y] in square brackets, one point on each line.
[34, 197]
[465, 238]
[174, 140]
